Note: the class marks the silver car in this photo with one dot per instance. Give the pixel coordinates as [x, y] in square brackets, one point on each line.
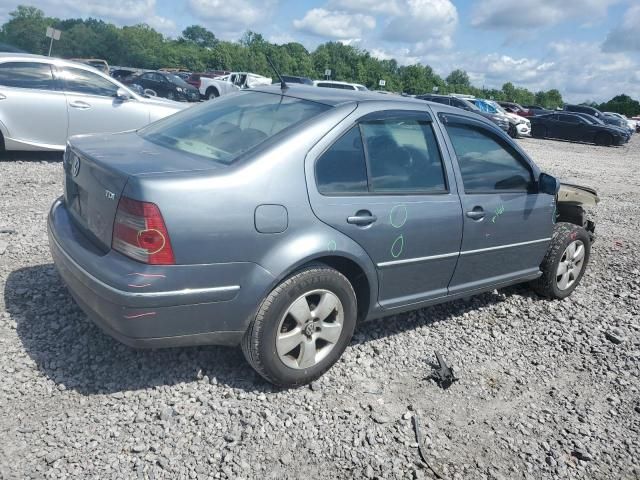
[44, 100]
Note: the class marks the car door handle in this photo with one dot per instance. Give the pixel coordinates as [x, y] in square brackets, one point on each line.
[80, 105]
[362, 218]
[3, 96]
[476, 214]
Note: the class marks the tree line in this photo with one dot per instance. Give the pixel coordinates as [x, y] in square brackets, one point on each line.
[198, 49]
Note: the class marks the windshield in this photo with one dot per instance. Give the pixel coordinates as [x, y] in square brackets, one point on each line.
[485, 107]
[225, 129]
[497, 107]
[176, 80]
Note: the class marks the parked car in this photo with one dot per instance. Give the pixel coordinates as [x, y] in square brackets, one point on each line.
[308, 211]
[339, 85]
[123, 74]
[211, 88]
[44, 100]
[97, 63]
[594, 112]
[516, 108]
[630, 124]
[568, 126]
[293, 79]
[194, 78]
[167, 85]
[518, 125]
[536, 109]
[465, 104]
[596, 121]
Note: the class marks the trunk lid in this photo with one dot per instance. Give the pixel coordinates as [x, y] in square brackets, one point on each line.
[96, 171]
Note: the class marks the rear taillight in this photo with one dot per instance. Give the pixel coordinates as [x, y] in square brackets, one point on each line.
[139, 232]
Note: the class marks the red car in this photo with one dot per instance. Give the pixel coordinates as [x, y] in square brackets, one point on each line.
[516, 108]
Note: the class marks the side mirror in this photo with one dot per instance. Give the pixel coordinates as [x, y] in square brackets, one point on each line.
[548, 184]
[122, 94]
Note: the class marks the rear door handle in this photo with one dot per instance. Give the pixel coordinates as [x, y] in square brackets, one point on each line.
[362, 218]
[80, 105]
[476, 214]
[3, 96]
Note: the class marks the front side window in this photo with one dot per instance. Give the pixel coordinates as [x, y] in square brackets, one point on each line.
[82, 81]
[342, 168]
[225, 129]
[33, 75]
[487, 163]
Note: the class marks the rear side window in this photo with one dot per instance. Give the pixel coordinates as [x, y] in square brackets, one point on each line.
[82, 81]
[487, 163]
[342, 168]
[403, 157]
[399, 157]
[31, 75]
[225, 129]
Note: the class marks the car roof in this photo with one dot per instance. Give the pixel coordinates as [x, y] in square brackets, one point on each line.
[8, 56]
[333, 96]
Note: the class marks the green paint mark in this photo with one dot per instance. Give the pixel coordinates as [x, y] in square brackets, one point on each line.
[398, 216]
[397, 247]
[498, 211]
[332, 246]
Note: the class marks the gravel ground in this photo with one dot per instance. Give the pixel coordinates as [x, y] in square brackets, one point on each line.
[546, 389]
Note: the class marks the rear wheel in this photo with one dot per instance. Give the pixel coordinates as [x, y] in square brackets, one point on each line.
[565, 261]
[513, 131]
[212, 93]
[604, 139]
[302, 327]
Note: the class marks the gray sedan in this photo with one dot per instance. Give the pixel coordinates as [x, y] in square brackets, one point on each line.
[45, 100]
[279, 219]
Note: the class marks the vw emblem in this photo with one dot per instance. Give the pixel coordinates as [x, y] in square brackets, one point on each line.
[75, 166]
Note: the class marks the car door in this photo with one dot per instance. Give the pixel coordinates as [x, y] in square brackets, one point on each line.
[93, 106]
[33, 109]
[380, 178]
[507, 223]
[570, 127]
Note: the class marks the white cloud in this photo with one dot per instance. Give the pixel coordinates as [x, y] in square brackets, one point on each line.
[162, 25]
[389, 7]
[335, 24]
[119, 11]
[229, 18]
[429, 23]
[625, 38]
[522, 14]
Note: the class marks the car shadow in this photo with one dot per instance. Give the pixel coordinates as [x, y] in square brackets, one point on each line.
[75, 354]
[20, 156]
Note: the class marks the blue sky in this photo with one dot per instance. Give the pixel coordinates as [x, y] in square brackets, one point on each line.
[588, 49]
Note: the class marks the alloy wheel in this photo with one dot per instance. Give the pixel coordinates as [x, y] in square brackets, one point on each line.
[309, 329]
[570, 265]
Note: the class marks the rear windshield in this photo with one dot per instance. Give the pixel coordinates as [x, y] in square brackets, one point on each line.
[225, 128]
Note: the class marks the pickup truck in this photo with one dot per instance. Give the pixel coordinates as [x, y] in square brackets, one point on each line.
[211, 88]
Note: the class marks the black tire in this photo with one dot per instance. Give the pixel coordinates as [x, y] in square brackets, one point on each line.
[513, 131]
[211, 93]
[563, 235]
[2, 149]
[603, 139]
[171, 96]
[259, 341]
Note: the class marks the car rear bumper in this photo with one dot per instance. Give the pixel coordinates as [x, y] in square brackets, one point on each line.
[155, 306]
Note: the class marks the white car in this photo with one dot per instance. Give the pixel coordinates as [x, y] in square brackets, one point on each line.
[211, 88]
[631, 123]
[340, 85]
[45, 100]
[523, 125]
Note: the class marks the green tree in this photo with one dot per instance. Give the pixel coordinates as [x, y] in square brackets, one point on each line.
[623, 104]
[459, 78]
[199, 36]
[26, 29]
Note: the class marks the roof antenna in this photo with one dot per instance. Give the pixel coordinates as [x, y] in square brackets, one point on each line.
[283, 84]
